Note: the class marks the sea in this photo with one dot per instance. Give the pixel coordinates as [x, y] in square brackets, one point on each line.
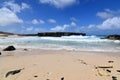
[78, 43]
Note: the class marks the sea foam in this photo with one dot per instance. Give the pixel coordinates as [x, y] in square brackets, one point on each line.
[65, 42]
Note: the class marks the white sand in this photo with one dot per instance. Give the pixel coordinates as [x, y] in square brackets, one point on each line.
[53, 65]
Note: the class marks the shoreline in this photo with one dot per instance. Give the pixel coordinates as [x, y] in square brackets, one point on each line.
[31, 51]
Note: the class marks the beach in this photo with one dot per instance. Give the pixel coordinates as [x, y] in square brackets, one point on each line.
[59, 40]
[38, 64]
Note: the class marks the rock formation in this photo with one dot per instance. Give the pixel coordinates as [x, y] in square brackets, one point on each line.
[113, 37]
[59, 34]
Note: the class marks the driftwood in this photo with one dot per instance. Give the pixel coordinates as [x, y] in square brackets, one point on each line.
[13, 72]
[105, 67]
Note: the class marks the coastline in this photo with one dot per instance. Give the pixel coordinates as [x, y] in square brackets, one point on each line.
[56, 64]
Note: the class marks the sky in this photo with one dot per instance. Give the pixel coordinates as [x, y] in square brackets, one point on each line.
[93, 17]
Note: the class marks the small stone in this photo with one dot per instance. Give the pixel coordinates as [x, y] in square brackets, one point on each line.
[110, 61]
[118, 70]
[108, 70]
[62, 78]
[114, 78]
[25, 49]
[35, 76]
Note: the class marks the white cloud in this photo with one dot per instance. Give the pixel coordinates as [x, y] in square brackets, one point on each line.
[41, 21]
[52, 21]
[59, 3]
[73, 19]
[73, 24]
[35, 21]
[108, 24]
[25, 6]
[15, 7]
[7, 17]
[8, 13]
[104, 15]
[107, 13]
[111, 23]
[64, 27]
[60, 28]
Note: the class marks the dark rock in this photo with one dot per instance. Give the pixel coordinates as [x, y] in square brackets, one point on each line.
[113, 37]
[118, 70]
[12, 72]
[35, 76]
[59, 34]
[25, 49]
[108, 70]
[114, 78]
[62, 78]
[9, 48]
[110, 61]
[0, 53]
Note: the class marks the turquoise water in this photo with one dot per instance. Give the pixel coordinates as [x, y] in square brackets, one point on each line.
[94, 43]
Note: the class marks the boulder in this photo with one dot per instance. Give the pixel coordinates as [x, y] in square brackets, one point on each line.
[9, 48]
[113, 37]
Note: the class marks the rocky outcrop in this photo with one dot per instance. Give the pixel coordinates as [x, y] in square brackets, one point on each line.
[59, 34]
[113, 37]
[9, 48]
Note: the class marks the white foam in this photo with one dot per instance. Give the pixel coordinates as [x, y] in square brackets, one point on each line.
[64, 42]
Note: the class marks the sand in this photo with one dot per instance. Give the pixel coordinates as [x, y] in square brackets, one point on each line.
[39, 64]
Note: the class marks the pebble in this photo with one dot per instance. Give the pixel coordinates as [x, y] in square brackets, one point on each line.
[114, 78]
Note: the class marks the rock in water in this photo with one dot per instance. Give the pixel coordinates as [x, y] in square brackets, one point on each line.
[113, 37]
[9, 48]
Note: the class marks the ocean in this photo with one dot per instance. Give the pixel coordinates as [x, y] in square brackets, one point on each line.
[80, 43]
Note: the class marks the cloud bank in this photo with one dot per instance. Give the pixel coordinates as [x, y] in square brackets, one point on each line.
[8, 13]
[35, 21]
[7, 17]
[64, 27]
[51, 20]
[107, 13]
[59, 3]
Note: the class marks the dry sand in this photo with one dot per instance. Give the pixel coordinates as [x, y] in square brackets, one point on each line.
[58, 65]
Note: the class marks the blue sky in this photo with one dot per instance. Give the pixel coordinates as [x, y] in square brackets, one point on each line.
[94, 17]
